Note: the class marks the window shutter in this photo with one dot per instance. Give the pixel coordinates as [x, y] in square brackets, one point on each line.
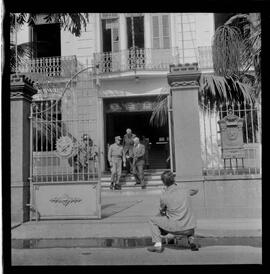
[156, 36]
[166, 31]
[115, 39]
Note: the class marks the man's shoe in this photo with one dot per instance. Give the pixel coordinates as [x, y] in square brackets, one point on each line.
[194, 247]
[137, 184]
[155, 249]
[117, 187]
[144, 187]
[111, 186]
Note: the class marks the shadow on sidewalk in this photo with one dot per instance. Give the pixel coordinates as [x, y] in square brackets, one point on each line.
[108, 210]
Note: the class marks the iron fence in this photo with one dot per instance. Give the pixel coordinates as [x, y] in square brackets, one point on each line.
[213, 163]
[64, 134]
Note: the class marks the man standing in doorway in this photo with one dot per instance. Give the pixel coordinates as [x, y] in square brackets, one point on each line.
[138, 162]
[115, 157]
[128, 144]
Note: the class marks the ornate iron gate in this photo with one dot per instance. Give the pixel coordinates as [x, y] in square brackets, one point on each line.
[65, 158]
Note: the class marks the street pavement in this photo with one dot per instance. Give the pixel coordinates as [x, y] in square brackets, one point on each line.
[137, 256]
[122, 235]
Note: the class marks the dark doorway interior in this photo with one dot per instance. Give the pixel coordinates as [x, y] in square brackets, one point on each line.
[47, 40]
[138, 122]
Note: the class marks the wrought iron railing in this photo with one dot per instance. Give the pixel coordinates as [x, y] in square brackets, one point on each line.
[148, 59]
[138, 59]
[49, 67]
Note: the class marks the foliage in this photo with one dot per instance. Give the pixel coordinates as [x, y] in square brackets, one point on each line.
[236, 60]
[73, 22]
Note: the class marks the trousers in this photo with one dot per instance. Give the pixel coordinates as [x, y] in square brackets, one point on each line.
[162, 225]
[138, 172]
[116, 170]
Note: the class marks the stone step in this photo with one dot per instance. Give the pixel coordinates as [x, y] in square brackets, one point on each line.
[132, 178]
[129, 184]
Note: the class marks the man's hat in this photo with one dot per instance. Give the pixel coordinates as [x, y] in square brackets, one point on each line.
[117, 138]
[86, 137]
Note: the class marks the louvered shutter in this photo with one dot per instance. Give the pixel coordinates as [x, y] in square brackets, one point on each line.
[165, 31]
[156, 35]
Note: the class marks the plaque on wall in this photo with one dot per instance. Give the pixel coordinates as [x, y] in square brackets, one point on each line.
[231, 130]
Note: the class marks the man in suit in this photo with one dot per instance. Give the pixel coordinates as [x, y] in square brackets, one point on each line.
[128, 144]
[138, 162]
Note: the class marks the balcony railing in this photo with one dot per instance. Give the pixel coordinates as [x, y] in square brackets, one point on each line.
[148, 59]
[55, 68]
[50, 67]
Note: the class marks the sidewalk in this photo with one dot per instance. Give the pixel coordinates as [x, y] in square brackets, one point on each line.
[124, 223]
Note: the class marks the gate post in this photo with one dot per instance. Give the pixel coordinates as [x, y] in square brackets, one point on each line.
[21, 92]
[183, 80]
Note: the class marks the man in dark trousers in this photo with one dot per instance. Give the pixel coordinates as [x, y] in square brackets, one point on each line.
[176, 216]
[138, 162]
[115, 157]
[128, 144]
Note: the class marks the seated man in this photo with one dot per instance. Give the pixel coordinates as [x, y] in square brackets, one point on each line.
[175, 215]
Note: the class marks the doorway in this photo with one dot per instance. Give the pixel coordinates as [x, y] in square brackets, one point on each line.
[137, 57]
[47, 40]
[117, 123]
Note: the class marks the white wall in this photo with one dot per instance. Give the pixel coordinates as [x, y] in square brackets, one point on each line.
[84, 46]
[23, 34]
[198, 29]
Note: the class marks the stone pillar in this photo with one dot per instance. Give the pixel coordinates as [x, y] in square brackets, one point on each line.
[21, 92]
[184, 88]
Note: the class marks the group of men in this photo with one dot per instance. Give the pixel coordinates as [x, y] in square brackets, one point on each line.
[132, 153]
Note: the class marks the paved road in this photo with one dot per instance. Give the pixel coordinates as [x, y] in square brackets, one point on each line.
[137, 256]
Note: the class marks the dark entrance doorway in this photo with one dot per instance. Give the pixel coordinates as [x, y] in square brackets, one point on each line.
[116, 124]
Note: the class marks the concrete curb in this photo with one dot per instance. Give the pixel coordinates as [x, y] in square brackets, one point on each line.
[129, 242]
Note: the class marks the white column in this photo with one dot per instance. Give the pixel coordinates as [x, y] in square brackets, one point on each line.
[123, 39]
[173, 34]
[98, 32]
[147, 38]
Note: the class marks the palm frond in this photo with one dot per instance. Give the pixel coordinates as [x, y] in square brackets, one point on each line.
[218, 90]
[159, 115]
[227, 47]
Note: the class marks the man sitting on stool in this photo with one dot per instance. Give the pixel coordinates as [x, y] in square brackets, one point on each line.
[175, 215]
[115, 157]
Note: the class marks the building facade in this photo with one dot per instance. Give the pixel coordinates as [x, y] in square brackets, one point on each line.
[130, 55]
[109, 79]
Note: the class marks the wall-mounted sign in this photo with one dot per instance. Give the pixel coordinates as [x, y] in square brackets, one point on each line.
[130, 106]
[109, 15]
[231, 130]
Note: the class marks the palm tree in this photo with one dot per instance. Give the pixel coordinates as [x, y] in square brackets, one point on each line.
[73, 22]
[236, 59]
